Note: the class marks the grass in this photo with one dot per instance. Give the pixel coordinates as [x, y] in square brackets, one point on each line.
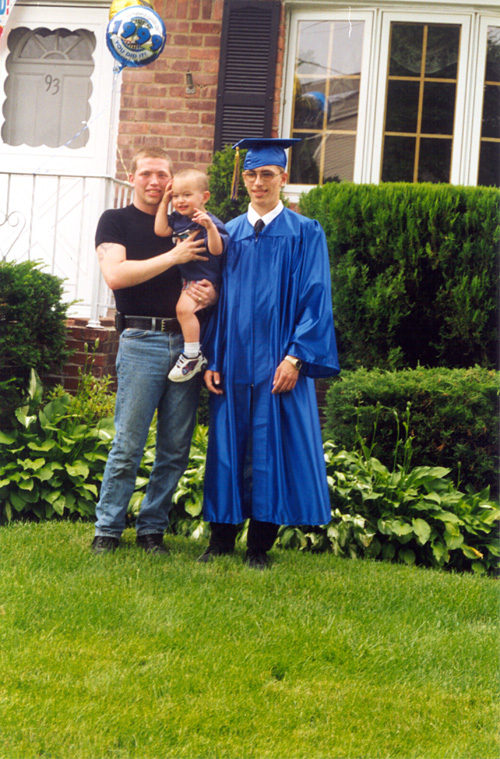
[142, 657]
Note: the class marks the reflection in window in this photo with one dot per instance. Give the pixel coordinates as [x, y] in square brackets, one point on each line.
[48, 87]
[489, 159]
[420, 105]
[326, 98]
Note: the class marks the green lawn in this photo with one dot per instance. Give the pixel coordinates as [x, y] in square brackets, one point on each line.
[144, 657]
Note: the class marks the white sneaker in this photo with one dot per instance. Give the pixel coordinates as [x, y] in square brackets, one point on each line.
[185, 367]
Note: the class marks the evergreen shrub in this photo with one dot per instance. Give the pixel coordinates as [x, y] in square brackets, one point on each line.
[414, 272]
[220, 174]
[32, 328]
[452, 418]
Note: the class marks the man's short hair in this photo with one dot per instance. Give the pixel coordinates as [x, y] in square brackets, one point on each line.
[151, 153]
[196, 176]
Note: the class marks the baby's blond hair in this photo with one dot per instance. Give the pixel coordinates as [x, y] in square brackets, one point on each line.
[197, 176]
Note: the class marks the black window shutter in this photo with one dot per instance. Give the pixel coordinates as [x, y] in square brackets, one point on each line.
[247, 70]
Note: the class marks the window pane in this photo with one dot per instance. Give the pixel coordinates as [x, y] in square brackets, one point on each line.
[434, 161]
[347, 48]
[339, 158]
[441, 60]
[417, 104]
[309, 110]
[493, 55]
[343, 104]
[313, 50]
[326, 99]
[399, 159]
[305, 159]
[491, 111]
[438, 110]
[402, 107]
[48, 87]
[489, 164]
[406, 50]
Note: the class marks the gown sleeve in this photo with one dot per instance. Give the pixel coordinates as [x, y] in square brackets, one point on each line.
[313, 336]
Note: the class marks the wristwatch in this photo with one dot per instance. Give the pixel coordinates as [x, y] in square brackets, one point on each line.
[296, 362]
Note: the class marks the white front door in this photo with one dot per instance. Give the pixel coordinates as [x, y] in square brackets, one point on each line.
[59, 99]
[58, 93]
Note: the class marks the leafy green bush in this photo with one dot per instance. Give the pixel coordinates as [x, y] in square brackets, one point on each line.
[220, 174]
[50, 462]
[94, 398]
[415, 516]
[453, 418]
[32, 327]
[414, 272]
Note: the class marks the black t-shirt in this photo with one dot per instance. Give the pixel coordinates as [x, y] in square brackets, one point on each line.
[134, 229]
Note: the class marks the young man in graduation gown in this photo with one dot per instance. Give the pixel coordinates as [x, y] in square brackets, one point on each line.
[274, 335]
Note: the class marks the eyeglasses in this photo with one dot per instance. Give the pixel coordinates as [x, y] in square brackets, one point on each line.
[265, 176]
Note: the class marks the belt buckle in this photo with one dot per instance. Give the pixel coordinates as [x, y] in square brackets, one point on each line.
[163, 325]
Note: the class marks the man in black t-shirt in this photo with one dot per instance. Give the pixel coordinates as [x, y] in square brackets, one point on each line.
[141, 269]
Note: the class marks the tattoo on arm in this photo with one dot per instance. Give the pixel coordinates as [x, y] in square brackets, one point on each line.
[103, 249]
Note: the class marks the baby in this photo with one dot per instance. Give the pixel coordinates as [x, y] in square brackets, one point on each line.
[189, 192]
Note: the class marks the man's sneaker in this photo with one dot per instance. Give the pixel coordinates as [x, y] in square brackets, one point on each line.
[151, 543]
[104, 544]
[185, 367]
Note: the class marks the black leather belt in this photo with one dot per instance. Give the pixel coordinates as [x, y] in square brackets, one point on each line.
[149, 323]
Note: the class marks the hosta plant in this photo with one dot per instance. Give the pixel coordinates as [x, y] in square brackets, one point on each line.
[415, 516]
[50, 462]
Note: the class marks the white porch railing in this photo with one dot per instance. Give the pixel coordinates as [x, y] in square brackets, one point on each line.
[52, 219]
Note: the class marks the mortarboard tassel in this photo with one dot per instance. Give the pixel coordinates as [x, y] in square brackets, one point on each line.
[236, 176]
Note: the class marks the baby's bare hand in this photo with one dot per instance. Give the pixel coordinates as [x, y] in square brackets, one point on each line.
[167, 195]
[202, 218]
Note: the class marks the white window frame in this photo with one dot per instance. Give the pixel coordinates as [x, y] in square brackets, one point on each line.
[471, 172]
[429, 17]
[98, 155]
[293, 191]
[474, 21]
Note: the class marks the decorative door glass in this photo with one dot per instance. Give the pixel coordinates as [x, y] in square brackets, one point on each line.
[48, 87]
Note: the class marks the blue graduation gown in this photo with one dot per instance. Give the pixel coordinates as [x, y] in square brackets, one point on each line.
[275, 300]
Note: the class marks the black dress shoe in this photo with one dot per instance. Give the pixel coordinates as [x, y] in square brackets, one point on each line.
[257, 560]
[211, 553]
[151, 543]
[104, 544]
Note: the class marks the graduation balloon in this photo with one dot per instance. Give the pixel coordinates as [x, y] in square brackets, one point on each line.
[136, 36]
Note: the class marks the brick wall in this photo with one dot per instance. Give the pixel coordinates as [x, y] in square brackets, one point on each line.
[104, 355]
[155, 108]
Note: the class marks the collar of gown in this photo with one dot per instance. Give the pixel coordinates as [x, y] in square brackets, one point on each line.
[253, 216]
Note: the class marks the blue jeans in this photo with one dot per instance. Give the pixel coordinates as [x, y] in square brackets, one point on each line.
[143, 362]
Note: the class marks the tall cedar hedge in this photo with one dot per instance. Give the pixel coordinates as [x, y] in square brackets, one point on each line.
[414, 272]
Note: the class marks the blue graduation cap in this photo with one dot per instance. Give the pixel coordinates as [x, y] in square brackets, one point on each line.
[261, 151]
[265, 151]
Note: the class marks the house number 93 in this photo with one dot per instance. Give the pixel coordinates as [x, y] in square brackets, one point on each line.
[52, 84]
